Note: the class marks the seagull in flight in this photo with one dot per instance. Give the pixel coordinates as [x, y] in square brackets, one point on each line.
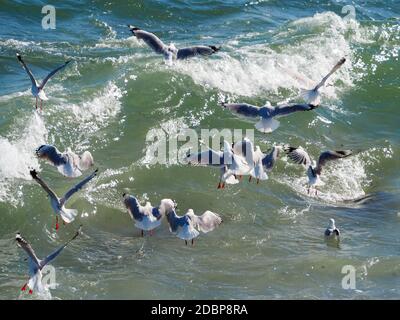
[146, 218]
[37, 89]
[314, 170]
[187, 227]
[68, 163]
[36, 265]
[313, 96]
[230, 164]
[170, 52]
[58, 204]
[332, 231]
[267, 113]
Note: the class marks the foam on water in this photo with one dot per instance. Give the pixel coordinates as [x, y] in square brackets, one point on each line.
[17, 155]
[253, 70]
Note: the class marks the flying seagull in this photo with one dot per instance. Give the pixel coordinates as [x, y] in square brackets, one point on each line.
[67, 215]
[68, 163]
[37, 89]
[187, 227]
[170, 52]
[267, 113]
[314, 170]
[147, 217]
[229, 163]
[332, 231]
[36, 265]
[313, 96]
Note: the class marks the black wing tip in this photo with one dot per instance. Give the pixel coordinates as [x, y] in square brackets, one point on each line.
[215, 48]
[222, 104]
[33, 173]
[19, 57]
[288, 149]
[68, 61]
[95, 172]
[133, 28]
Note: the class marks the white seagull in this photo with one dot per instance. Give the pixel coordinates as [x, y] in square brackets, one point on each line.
[314, 170]
[332, 231]
[313, 96]
[229, 163]
[187, 227]
[170, 52]
[68, 163]
[58, 204]
[146, 218]
[37, 89]
[36, 265]
[267, 113]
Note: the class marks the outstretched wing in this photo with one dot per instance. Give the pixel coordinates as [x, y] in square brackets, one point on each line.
[329, 156]
[175, 222]
[333, 70]
[208, 157]
[285, 110]
[207, 222]
[28, 71]
[190, 52]
[34, 261]
[54, 254]
[298, 155]
[244, 109]
[77, 187]
[150, 39]
[52, 73]
[51, 154]
[50, 192]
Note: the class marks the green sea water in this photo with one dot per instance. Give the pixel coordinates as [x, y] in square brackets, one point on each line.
[116, 90]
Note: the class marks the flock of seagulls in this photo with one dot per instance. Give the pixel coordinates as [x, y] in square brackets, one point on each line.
[234, 161]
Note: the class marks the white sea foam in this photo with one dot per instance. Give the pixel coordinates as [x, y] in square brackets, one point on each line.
[253, 70]
[17, 155]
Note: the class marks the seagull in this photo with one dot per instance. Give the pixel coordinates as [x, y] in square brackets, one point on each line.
[67, 215]
[313, 96]
[267, 113]
[170, 52]
[332, 231]
[69, 164]
[254, 158]
[37, 89]
[269, 159]
[229, 163]
[187, 227]
[36, 265]
[314, 170]
[147, 217]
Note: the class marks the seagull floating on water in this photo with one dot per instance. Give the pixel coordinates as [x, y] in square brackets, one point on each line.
[58, 204]
[37, 89]
[187, 227]
[36, 265]
[314, 170]
[170, 52]
[67, 163]
[267, 113]
[332, 231]
[147, 217]
[313, 96]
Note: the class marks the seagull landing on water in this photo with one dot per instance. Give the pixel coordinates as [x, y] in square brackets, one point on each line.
[314, 170]
[313, 96]
[332, 231]
[37, 89]
[67, 215]
[170, 52]
[230, 164]
[69, 164]
[146, 218]
[36, 265]
[187, 227]
[267, 113]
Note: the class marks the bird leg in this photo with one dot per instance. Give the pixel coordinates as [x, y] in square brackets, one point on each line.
[151, 232]
[185, 242]
[57, 226]
[308, 189]
[41, 105]
[250, 178]
[36, 104]
[24, 286]
[142, 233]
[258, 181]
[192, 242]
